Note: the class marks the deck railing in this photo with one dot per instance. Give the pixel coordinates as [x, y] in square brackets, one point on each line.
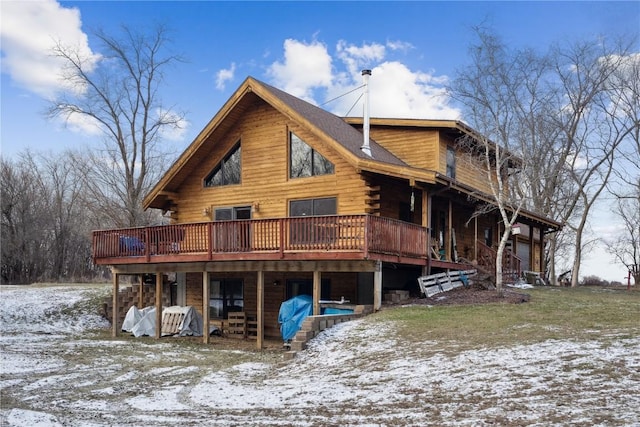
[487, 256]
[345, 233]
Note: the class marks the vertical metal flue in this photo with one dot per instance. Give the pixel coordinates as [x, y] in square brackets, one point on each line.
[365, 125]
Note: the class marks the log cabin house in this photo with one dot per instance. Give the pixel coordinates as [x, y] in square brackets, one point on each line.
[277, 197]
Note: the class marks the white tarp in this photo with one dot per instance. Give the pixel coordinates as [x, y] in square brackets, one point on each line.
[133, 317]
[143, 322]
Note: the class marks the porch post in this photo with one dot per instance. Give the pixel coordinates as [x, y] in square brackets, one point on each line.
[447, 243]
[115, 309]
[260, 310]
[317, 277]
[532, 249]
[543, 266]
[377, 286]
[158, 305]
[205, 307]
[475, 240]
[140, 296]
[426, 222]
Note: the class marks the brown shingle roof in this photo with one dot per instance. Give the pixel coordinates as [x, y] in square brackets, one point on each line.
[334, 126]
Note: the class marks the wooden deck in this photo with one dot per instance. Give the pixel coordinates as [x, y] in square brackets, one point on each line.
[346, 237]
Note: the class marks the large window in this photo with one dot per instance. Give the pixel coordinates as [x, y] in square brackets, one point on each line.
[314, 231]
[313, 207]
[451, 162]
[228, 214]
[305, 161]
[226, 172]
[226, 296]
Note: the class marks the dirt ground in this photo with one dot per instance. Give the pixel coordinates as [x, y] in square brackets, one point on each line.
[474, 294]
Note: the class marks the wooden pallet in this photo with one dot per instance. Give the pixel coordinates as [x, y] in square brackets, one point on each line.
[252, 327]
[442, 282]
[236, 325]
[171, 323]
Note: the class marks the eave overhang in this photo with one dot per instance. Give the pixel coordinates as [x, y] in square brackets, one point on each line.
[541, 220]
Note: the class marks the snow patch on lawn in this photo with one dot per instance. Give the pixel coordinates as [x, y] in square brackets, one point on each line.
[355, 373]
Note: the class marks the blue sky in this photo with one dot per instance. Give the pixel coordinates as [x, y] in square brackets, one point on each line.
[314, 50]
[298, 46]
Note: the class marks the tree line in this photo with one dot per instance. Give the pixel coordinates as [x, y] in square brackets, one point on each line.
[561, 128]
[50, 203]
[559, 131]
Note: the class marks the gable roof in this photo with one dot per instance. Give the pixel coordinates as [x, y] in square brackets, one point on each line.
[335, 131]
[334, 127]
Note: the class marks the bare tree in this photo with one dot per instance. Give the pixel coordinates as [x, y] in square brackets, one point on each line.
[22, 252]
[118, 94]
[556, 111]
[488, 89]
[626, 247]
[593, 127]
[625, 87]
[45, 235]
[65, 231]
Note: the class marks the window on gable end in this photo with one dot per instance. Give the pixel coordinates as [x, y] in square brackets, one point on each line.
[451, 162]
[305, 161]
[228, 171]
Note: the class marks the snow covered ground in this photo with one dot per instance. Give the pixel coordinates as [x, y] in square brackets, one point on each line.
[59, 368]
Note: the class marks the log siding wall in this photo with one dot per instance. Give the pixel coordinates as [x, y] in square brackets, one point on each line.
[265, 184]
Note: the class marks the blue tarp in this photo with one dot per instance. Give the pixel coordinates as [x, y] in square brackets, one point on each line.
[292, 313]
[332, 310]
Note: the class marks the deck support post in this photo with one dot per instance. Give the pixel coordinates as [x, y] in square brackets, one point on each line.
[532, 250]
[447, 243]
[260, 310]
[115, 309]
[475, 238]
[158, 305]
[317, 278]
[377, 286]
[140, 294]
[426, 222]
[205, 307]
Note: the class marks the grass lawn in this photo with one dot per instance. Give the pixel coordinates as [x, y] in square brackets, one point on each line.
[551, 313]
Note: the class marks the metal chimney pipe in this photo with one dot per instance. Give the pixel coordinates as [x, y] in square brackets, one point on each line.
[365, 125]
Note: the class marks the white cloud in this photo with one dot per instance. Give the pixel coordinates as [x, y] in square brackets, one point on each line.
[175, 132]
[225, 75]
[399, 45]
[83, 124]
[356, 58]
[395, 89]
[29, 31]
[306, 66]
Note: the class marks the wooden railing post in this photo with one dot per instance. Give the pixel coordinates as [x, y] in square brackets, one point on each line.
[209, 238]
[367, 225]
[282, 239]
[147, 244]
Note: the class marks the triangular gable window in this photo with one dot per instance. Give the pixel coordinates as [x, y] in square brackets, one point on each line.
[226, 172]
[305, 161]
